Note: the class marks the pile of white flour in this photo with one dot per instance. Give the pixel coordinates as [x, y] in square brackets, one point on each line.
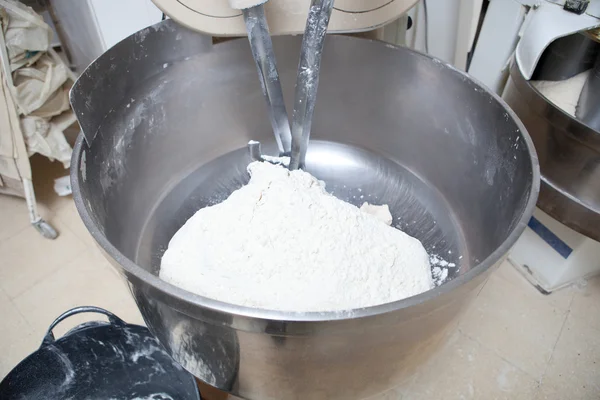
[564, 94]
[283, 243]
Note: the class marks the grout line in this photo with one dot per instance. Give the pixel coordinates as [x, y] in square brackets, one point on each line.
[554, 347]
[75, 234]
[30, 334]
[528, 289]
[48, 273]
[47, 214]
[572, 298]
[582, 320]
[409, 385]
[65, 225]
[18, 310]
[499, 355]
[483, 286]
[16, 233]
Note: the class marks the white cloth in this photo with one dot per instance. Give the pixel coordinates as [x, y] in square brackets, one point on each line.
[25, 32]
[39, 83]
[17, 165]
[47, 138]
[38, 90]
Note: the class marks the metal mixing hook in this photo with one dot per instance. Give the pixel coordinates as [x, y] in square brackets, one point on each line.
[262, 51]
[308, 78]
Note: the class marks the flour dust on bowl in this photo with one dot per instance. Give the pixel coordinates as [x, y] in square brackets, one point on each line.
[165, 133]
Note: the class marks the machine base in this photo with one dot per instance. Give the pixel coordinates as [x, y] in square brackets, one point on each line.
[551, 256]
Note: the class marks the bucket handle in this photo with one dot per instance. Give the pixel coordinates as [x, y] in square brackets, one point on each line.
[112, 318]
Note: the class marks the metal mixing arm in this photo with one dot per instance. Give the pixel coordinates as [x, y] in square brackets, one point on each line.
[292, 142]
[308, 78]
[262, 51]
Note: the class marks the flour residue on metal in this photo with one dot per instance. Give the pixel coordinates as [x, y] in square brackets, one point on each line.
[145, 117]
[189, 351]
[491, 165]
[67, 366]
[82, 166]
[440, 268]
[264, 58]
[308, 78]
[147, 352]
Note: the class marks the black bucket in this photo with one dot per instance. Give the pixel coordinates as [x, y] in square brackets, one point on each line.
[99, 360]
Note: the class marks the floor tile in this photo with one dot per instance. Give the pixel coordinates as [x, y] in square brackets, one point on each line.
[68, 216]
[13, 324]
[16, 338]
[561, 298]
[14, 215]
[86, 280]
[14, 352]
[586, 303]
[27, 257]
[514, 323]
[394, 394]
[465, 369]
[128, 311]
[574, 370]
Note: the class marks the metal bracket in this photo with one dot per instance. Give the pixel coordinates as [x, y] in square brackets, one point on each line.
[576, 6]
[538, 33]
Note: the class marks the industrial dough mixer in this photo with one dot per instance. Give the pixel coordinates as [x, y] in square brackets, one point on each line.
[553, 85]
[168, 116]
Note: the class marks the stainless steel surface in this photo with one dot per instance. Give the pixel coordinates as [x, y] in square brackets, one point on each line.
[174, 43]
[254, 150]
[543, 25]
[569, 155]
[566, 57]
[588, 107]
[262, 51]
[307, 81]
[395, 126]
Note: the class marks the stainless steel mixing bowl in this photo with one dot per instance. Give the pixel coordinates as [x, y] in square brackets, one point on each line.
[168, 116]
[569, 155]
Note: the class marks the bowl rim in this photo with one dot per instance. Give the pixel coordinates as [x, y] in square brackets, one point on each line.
[184, 301]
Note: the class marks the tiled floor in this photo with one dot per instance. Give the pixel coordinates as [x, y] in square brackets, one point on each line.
[512, 343]
[41, 278]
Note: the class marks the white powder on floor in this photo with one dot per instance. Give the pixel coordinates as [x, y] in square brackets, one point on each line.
[283, 243]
